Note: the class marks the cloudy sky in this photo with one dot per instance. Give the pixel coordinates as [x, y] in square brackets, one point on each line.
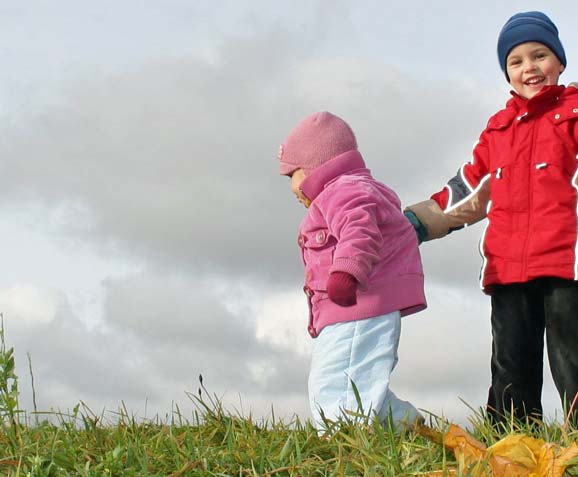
[147, 237]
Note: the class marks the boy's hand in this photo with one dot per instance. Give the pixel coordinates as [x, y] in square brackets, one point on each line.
[342, 288]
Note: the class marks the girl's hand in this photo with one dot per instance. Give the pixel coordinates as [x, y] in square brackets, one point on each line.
[342, 289]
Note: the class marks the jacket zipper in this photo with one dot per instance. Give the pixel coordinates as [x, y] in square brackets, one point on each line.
[531, 180]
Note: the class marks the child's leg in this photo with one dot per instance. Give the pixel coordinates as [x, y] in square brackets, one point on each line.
[363, 352]
[562, 336]
[327, 380]
[400, 412]
[517, 350]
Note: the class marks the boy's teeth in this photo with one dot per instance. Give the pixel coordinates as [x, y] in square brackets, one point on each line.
[534, 81]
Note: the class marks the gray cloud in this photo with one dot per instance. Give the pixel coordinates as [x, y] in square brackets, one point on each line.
[159, 335]
[187, 330]
[69, 363]
[174, 163]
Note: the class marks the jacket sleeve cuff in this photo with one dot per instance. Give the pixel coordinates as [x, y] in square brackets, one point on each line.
[432, 217]
[353, 267]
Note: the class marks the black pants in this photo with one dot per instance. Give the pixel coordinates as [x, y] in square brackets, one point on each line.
[520, 314]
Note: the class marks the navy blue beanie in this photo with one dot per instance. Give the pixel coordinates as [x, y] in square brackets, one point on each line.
[528, 26]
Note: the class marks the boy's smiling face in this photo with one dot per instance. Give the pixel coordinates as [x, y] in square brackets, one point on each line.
[532, 65]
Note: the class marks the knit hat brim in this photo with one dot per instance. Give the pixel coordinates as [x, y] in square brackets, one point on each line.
[286, 169]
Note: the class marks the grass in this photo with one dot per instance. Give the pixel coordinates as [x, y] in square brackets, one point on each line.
[215, 442]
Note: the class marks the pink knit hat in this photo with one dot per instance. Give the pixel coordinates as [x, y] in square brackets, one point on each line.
[315, 140]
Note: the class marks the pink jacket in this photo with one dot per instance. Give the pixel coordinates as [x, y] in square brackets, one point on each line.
[355, 225]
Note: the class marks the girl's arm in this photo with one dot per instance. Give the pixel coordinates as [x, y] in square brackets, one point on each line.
[353, 217]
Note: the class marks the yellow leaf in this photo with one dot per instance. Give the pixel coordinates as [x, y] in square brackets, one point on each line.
[553, 460]
[518, 448]
[516, 455]
[464, 444]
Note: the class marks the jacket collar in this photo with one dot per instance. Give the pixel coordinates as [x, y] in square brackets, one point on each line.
[315, 182]
[519, 107]
[547, 95]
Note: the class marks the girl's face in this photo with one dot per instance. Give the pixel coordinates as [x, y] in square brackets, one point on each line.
[296, 179]
[532, 65]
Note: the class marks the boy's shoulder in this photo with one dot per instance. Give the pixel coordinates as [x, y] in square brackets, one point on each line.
[568, 101]
[570, 93]
[566, 108]
[503, 118]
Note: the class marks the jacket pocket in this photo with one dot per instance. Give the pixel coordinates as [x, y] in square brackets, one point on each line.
[318, 247]
[501, 183]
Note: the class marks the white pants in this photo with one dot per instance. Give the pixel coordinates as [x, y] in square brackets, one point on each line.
[363, 352]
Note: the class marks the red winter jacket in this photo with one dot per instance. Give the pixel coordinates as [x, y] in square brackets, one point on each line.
[525, 163]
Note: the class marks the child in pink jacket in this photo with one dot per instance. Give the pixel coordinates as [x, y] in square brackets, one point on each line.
[363, 271]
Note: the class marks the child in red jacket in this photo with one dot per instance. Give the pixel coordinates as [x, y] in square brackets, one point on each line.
[523, 177]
